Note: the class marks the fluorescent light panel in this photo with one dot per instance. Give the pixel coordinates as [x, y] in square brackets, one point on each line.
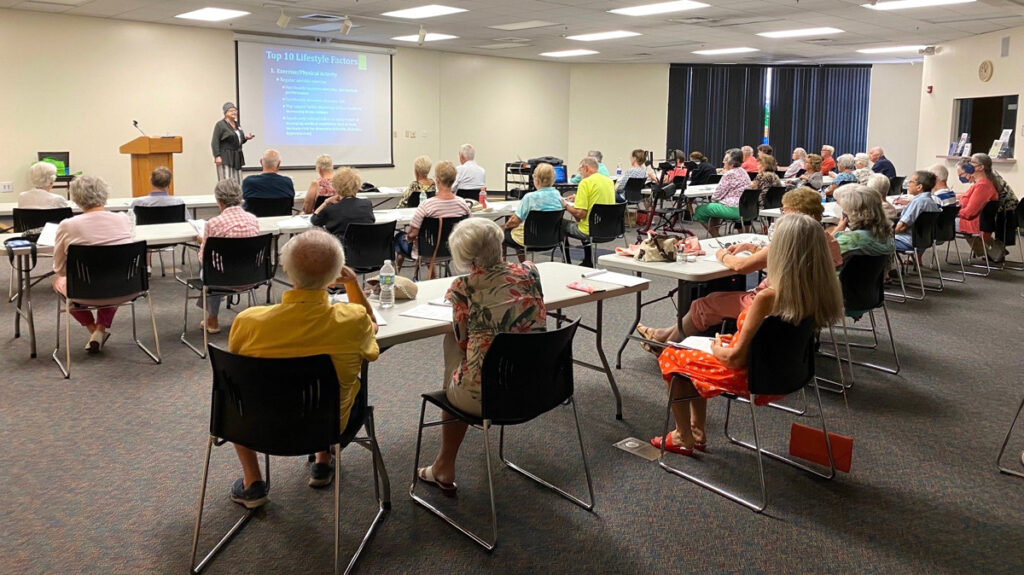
[613, 35]
[428, 11]
[569, 53]
[524, 25]
[502, 46]
[891, 49]
[212, 14]
[908, 4]
[659, 8]
[724, 51]
[801, 32]
[430, 37]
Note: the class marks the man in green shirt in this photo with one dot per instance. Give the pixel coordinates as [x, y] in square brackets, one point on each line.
[593, 189]
[575, 179]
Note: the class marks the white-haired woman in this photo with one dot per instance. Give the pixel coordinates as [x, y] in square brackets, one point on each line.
[321, 186]
[422, 184]
[844, 164]
[95, 226]
[41, 175]
[880, 184]
[802, 285]
[862, 168]
[495, 297]
[864, 229]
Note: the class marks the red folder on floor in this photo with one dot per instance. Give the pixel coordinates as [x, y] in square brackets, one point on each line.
[809, 443]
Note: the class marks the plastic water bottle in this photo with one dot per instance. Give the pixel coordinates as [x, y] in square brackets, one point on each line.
[423, 197]
[618, 169]
[387, 285]
[483, 198]
[131, 218]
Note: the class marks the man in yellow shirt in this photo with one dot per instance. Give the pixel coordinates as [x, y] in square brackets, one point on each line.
[303, 324]
[593, 189]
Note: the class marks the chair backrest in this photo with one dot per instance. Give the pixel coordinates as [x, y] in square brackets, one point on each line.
[319, 201]
[679, 182]
[773, 197]
[106, 272]
[862, 282]
[434, 234]
[268, 207]
[368, 245]
[1020, 215]
[780, 173]
[414, 199]
[781, 357]
[634, 190]
[714, 178]
[469, 194]
[749, 208]
[542, 230]
[238, 262]
[146, 215]
[26, 220]
[278, 406]
[843, 183]
[606, 221]
[527, 374]
[987, 220]
[923, 233]
[896, 185]
[751, 175]
[945, 226]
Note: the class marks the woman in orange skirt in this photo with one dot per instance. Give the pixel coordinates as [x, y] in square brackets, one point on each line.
[803, 284]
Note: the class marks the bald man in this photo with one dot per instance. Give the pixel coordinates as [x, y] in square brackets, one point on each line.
[268, 184]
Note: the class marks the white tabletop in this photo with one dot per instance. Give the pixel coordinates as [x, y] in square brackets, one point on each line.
[698, 271]
[833, 213]
[701, 191]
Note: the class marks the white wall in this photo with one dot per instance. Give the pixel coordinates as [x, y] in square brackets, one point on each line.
[893, 113]
[953, 73]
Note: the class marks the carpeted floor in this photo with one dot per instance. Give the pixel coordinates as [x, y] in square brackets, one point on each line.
[100, 473]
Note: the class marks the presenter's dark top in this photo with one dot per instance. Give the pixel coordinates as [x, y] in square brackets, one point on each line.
[701, 174]
[336, 217]
[227, 143]
[268, 185]
[885, 167]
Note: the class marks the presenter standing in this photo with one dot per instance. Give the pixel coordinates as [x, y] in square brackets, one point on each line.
[228, 138]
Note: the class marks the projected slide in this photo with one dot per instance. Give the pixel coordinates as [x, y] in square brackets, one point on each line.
[307, 101]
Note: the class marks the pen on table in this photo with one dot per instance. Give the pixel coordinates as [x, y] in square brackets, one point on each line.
[718, 243]
[593, 273]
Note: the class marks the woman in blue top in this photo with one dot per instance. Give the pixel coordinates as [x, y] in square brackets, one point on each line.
[544, 199]
[845, 164]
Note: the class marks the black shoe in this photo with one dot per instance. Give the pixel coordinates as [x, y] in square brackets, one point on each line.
[251, 498]
[321, 474]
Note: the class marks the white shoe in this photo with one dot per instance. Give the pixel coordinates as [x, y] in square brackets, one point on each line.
[1022, 457]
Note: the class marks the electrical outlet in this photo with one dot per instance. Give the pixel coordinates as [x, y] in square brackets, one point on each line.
[411, 134]
[6, 187]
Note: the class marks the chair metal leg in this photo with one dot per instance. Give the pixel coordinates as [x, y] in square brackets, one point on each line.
[841, 385]
[67, 338]
[380, 476]
[184, 328]
[987, 267]
[960, 259]
[156, 338]
[1006, 440]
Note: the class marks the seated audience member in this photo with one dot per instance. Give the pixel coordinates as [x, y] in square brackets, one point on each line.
[42, 176]
[306, 323]
[864, 229]
[766, 177]
[845, 165]
[708, 312]
[443, 205]
[321, 186]
[799, 157]
[920, 186]
[861, 169]
[765, 150]
[637, 169]
[977, 172]
[881, 164]
[544, 199]
[95, 226]
[678, 171]
[1007, 211]
[749, 160]
[593, 189]
[469, 175]
[942, 195]
[702, 171]
[268, 184]
[879, 184]
[232, 222]
[601, 169]
[160, 179]
[828, 163]
[802, 285]
[343, 208]
[812, 174]
[495, 297]
[422, 184]
[725, 200]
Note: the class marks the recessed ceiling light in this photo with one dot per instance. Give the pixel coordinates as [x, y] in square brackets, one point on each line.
[569, 53]
[907, 4]
[891, 49]
[524, 25]
[659, 8]
[802, 32]
[212, 14]
[428, 11]
[502, 46]
[613, 35]
[429, 37]
[724, 51]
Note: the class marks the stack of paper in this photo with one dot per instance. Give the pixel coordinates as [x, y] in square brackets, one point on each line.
[427, 311]
[294, 222]
[48, 236]
[694, 342]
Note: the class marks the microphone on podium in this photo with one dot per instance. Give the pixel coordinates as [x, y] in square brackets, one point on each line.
[136, 124]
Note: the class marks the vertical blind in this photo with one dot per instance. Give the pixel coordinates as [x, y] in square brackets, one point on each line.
[713, 108]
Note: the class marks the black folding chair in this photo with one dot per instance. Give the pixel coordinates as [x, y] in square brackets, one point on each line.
[29, 223]
[542, 232]
[432, 244]
[413, 201]
[319, 201]
[780, 362]
[104, 273]
[513, 392]
[469, 194]
[1019, 215]
[922, 235]
[896, 185]
[634, 191]
[606, 222]
[750, 209]
[773, 197]
[1015, 471]
[230, 266]
[368, 245]
[150, 215]
[714, 179]
[286, 407]
[269, 207]
[945, 233]
[986, 225]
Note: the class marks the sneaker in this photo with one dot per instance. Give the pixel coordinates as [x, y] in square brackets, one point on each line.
[321, 474]
[251, 498]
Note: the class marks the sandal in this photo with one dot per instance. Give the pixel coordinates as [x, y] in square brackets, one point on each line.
[202, 325]
[645, 332]
[426, 474]
[669, 446]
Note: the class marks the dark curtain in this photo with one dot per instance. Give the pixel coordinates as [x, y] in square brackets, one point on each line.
[816, 105]
[714, 108]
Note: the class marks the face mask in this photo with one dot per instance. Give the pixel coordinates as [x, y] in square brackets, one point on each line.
[964, 180]
[968, 170]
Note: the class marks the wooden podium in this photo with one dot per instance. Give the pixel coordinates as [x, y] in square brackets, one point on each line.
[149, 154]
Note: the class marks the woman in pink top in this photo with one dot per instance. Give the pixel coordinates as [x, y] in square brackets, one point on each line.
[979, 173]
[320, 186]
[94, 227]
[443, 205]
